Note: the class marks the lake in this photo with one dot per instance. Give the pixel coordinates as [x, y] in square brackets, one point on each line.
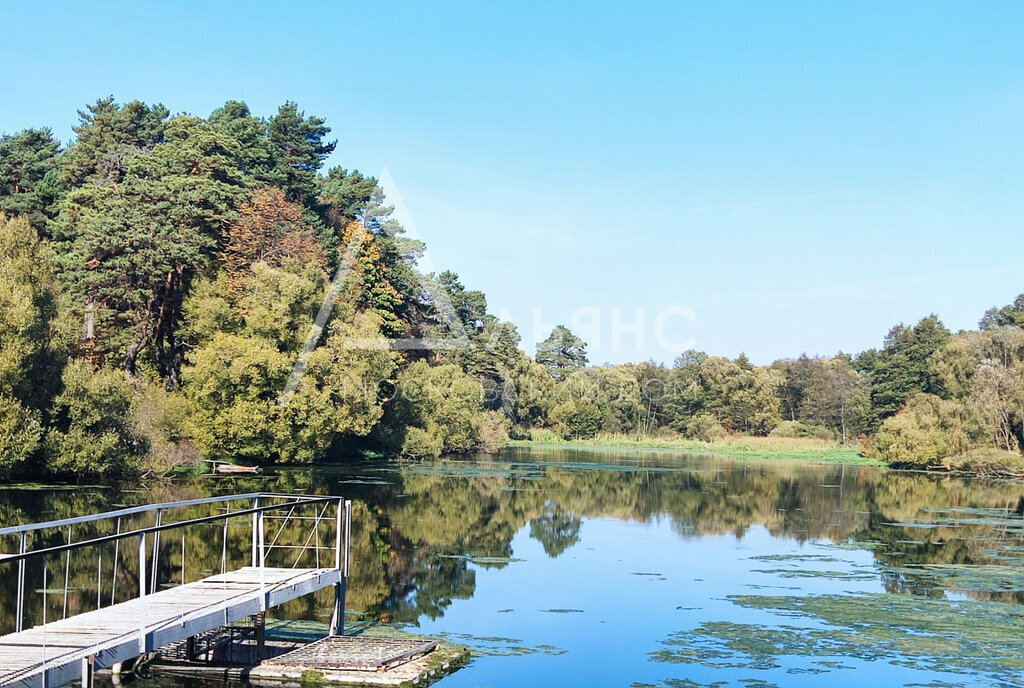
[608, 567]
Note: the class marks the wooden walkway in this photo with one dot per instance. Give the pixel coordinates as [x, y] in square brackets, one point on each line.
[59, 652]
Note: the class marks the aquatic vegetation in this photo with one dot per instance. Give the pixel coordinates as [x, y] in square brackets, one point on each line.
[490, 646]
[914, 632]
[811, 573]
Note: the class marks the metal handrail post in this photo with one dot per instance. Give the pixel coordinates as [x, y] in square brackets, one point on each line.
[113, 575]
[67, 574]
[263, 563]
[142, 593]
[255, 529]
[338, 517]
[21, 586]
[156, 550]
[224, 542]
[99, 576]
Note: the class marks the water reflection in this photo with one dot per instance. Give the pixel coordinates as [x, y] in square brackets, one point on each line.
[421, 531]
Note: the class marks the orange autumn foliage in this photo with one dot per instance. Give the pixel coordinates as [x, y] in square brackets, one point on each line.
[363, 253]
[269, 229]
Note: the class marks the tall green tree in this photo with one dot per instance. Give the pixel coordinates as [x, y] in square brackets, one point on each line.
[1011, 315]
[796, 375]
[30, 335]
[902, 367]
[836, 397]
[440, 409]
[347, 196]
[562, 353]
[298, 149]
[235, 120]
[30, 345]
[983, 372]
[371, 241]
[741, 396]
[469, 305]
[108, 137]
[29, 176]
[129, 249]
[653, 381]
[687, 395]
[92, 432]
[528, 395]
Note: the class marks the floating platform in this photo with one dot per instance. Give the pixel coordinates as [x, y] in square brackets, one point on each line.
[349, 653]
[359, 660]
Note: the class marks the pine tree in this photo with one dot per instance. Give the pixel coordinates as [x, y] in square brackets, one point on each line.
[28, 175]
[297, 149]
[562, 352]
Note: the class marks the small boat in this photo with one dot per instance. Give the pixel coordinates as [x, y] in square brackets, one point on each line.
[225, 468]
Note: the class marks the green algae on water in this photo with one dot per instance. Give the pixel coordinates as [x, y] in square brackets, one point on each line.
[914, 632]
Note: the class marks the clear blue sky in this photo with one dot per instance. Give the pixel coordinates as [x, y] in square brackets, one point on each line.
[801, 176]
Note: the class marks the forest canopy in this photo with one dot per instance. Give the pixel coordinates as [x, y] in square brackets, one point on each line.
[176, 288]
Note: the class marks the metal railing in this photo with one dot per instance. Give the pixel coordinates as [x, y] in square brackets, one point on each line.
[264, 507]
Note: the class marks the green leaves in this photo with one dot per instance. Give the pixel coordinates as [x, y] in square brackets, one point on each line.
[30, 341]
[562, 352]
[92, 434]
[129, 248]
[236, 381]
[20, 434]
[297, 150]
[901, 368]
[28, 169]
[440, 409]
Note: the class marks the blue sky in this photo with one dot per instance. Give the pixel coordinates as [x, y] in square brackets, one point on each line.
[771, 178]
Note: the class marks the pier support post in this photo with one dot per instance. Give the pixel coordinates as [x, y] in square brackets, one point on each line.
[338, 615]
[260, 621]
[88, 664]
[342, 542]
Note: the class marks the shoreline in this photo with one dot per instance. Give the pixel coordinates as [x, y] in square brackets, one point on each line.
[747, 447]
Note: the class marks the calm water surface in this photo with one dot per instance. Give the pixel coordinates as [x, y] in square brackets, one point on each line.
[651, 568]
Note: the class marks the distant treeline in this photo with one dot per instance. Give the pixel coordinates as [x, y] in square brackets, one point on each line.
[160, 284]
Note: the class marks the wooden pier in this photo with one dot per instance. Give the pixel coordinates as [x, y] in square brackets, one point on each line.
[56, 652]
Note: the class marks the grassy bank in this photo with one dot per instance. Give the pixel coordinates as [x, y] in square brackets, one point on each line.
[803, 448]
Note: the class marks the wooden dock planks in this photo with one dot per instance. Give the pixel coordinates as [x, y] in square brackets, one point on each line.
[51, 655]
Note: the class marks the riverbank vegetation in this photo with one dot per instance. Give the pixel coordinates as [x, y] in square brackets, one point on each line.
[179, 288]
[736, 445]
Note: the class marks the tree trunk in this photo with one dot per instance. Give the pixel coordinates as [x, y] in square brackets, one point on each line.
[132, 355]
[170, 351]
[842, 420]
[89, 321]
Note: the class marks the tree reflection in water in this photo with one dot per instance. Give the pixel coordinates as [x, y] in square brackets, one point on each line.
[421, 530]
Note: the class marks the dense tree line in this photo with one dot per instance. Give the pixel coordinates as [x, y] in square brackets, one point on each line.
[162, 281]
[927, 398]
